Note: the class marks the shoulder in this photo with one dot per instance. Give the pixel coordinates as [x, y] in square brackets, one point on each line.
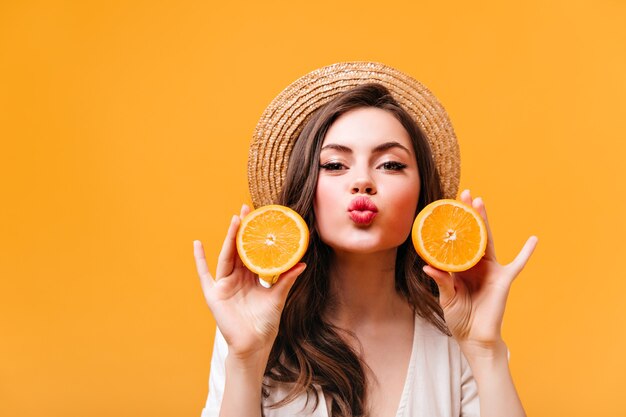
[217, 376]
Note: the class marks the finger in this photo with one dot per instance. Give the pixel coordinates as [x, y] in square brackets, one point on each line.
[523, 256]
[445, 283]
[245, 210]
[206, 280]
[466, 197]
[479, 206]
[228, 254]
[287, 279]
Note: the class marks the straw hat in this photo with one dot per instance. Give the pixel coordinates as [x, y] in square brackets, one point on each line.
[283, 120]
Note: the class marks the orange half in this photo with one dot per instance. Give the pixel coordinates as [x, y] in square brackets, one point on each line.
[272, 239]
[449, 235]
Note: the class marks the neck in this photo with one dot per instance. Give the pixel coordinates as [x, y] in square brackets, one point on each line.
[362, 289]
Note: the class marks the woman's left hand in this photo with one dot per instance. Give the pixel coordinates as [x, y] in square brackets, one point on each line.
[474, 301]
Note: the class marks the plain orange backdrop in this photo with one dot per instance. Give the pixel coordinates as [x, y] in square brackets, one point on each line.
[125, 127]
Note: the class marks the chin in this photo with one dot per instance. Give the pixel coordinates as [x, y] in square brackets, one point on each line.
[360, 240]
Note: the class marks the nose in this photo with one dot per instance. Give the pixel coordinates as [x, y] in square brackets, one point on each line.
[363, 185]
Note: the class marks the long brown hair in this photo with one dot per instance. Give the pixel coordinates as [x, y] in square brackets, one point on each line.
[309, 350]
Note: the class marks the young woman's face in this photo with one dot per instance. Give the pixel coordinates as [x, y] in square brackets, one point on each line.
[368, 185]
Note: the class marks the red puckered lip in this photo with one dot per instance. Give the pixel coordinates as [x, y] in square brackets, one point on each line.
[362, 210]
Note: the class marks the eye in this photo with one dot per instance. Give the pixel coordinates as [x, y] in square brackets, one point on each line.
[392, 166]
[333, 166]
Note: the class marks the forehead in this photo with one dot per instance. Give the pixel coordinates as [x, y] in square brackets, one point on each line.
[367, 127]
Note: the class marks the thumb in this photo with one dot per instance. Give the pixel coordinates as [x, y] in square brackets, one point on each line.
[445, 283]
[286, 280]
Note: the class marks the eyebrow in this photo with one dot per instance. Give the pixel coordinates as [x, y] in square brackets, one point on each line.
[380, 148]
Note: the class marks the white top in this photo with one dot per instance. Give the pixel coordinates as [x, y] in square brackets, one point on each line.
[439, 382]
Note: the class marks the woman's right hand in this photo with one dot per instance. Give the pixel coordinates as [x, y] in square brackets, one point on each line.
[247, 314]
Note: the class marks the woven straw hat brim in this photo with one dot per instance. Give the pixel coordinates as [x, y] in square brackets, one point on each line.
[283, 120]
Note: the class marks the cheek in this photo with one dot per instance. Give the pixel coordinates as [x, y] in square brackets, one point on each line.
[327, 205]
[321, 206]
[404, 202]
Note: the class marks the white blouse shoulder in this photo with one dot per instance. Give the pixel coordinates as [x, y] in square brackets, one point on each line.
[439, 382]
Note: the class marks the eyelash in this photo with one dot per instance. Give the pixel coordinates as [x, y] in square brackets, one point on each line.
[393, 166]
[332, 166]
[387, 166]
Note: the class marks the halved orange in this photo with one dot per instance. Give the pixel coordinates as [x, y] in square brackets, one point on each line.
[449, 235]
[272, 239]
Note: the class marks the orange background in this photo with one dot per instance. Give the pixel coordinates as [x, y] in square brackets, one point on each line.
[125, 128]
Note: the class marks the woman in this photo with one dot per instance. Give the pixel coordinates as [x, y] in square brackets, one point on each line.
[367, 329]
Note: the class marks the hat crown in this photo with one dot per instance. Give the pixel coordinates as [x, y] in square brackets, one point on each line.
[283, 120]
